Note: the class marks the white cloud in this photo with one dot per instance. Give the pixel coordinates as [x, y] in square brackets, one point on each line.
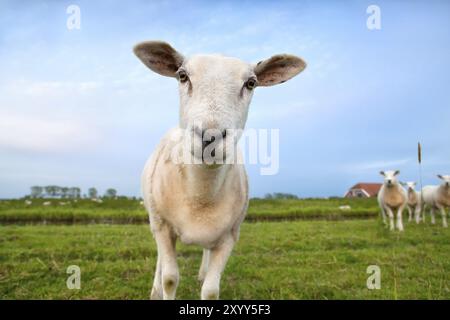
[33, 133]
[376, 165]
[51, 88]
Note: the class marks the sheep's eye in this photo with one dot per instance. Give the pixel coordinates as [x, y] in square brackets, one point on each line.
[182, 76]
[250, 84]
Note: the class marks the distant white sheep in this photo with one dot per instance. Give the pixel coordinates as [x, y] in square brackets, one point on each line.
[345, 208]
[392, 197]
[438, 198]
[28, 202]
[414, 201]
[46, 203]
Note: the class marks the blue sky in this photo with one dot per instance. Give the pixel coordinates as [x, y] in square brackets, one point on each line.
[77, 108]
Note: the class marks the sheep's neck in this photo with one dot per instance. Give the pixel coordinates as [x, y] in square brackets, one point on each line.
[204, 184]
[444, 191]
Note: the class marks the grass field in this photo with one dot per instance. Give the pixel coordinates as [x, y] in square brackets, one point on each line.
[130, 211]
[273, 260]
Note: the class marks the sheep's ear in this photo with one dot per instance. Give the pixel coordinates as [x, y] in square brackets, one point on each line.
[382, 173]
[159, 56]
[278, 69]
[396, 172]
[440, 177]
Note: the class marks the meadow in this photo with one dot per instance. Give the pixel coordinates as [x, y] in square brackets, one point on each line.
[131, 211]
[317, 258]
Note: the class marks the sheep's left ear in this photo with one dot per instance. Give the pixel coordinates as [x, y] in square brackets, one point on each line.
[440, 177]
[396, 172]
[160, 57]
[278, 69]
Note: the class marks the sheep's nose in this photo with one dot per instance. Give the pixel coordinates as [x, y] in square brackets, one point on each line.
[208, 136]
[389, 181]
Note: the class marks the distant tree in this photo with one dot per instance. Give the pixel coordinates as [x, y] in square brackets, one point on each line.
[48, 191]
[36, 191]
[92, 192]
[280, 195]
[64, 192]
[111, 193]
[74, 192]
[56, 191]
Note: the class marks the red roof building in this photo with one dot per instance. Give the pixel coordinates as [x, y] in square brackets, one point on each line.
[363, 190]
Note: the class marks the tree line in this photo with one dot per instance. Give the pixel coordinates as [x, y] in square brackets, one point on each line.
[280, 195]
[68, 192]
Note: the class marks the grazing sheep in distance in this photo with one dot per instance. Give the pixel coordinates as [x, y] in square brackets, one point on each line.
[28, 202]
[414, 201]
[204, 202]
[392, 198]
[345, 208]
[438, 198]
[46, 203]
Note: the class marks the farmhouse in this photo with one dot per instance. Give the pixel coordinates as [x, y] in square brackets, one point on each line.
[363, 190]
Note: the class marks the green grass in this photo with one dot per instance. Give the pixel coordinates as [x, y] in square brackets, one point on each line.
[283, 260]
[130, 211]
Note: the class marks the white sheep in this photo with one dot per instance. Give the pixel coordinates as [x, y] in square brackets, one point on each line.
[437, 198]
[28, 202]
[201, 200]
[414, 201]
[392, 197]
[46, 203]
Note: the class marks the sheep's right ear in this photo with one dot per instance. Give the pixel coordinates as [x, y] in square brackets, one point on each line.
[382, 173]
[440, 177]
[278, 69]
[160, 57]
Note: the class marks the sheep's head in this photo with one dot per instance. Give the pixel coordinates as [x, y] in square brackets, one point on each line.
[411, 186]
[445, 180]
[215, 91]
[390, 177]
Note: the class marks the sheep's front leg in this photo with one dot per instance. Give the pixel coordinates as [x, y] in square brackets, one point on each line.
[391, 218]
[204, 265]
[444, 217]
[409, 214]
[433, 220]
[166, 240]
[417, 213]
[383, 215]
[218, 258]
[399, 219]
[157, 291]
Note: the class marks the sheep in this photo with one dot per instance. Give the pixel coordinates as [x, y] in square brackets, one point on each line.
[414, 201]
[28, 202]
[438, 198]
[46, 203]
[345, 208]
[196, 200]
[392, 197]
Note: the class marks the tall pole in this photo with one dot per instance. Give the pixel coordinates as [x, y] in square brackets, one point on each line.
[419, 158]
